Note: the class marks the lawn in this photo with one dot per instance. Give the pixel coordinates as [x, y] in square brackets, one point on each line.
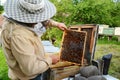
[102, 48]
[113, 49]
[110, 47]
[3, 67]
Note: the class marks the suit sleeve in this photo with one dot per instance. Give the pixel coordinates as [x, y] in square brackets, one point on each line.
[24, 53]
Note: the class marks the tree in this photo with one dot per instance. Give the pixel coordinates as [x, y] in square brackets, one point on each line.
[76, 1]
[85, 12]
[92, 12]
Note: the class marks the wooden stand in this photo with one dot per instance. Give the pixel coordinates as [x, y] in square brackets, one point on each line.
[64, 72]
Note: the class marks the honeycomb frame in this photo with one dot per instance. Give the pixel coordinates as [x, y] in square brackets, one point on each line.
[73, 46]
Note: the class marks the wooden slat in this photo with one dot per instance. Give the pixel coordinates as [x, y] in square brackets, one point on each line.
[64, 72]
[62, 64]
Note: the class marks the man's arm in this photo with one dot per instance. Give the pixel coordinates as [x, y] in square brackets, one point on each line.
[59, 25]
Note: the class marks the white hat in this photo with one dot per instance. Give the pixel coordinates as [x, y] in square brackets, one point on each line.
[29, 11]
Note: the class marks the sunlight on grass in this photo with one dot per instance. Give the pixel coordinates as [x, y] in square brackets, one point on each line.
[114, 49]
[3, 67]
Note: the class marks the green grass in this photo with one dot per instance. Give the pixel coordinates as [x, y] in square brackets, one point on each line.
[103, 47]
[104, 40]
[3, 67]
[113, 47]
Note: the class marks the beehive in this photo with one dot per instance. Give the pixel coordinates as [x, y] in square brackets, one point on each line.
[73, 46]
[84, 58]
[92, 32]
[86, 35]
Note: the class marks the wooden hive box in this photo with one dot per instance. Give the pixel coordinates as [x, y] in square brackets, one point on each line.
[85, 36]
[92, 33]
[87, 54]
[71, 55]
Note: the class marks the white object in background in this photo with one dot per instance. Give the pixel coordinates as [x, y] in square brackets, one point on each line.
[49, 47]
[46, 43]
[65, 79]
[101, 27]
[108, 77]
[117, 31]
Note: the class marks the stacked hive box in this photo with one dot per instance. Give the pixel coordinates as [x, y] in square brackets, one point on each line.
[92, 33]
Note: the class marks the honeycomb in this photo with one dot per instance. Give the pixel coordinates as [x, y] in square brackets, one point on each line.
[73, 46]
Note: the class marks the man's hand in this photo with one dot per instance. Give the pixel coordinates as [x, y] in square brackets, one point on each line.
[61, 26]
[55, 58]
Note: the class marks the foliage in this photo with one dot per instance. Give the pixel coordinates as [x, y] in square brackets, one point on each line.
[88, 12]
[3, 67]
[53, 34]
[65, 9]
[92, 12]
[73, 12]
[115, 15]
[1, 9]
[76, 1]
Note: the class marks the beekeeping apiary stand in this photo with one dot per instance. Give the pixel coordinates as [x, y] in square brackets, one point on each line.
[58, 73]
